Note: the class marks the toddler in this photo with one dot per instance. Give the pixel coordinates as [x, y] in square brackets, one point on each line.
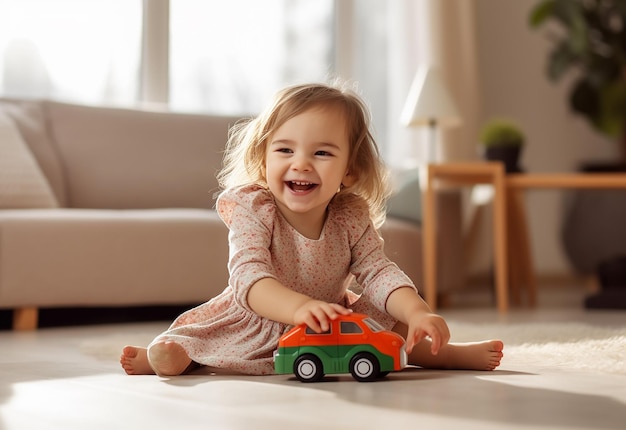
[304, 191]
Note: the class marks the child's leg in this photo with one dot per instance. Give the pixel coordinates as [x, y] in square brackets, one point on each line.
[168, 358]
[163, 358]
[484, 355]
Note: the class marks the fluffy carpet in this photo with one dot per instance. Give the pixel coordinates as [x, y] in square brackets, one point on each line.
[566, 346]
[558, 346]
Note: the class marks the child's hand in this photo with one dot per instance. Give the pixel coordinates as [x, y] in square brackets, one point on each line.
[317, 314]
[424, 324]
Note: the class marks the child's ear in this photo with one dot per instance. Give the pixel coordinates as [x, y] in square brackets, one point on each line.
[349, 179]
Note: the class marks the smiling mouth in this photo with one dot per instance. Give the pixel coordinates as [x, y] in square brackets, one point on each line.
[300, 186]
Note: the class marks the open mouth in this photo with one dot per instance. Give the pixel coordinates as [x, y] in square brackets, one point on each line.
[300, 186]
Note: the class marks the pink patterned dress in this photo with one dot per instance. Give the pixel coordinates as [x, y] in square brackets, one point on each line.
[225, 333]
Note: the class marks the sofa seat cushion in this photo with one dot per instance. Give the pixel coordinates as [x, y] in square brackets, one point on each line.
[81, 257]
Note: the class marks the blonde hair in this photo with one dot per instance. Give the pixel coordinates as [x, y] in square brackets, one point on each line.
[244, 158]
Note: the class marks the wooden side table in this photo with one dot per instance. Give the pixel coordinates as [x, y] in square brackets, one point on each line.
[512, 249]
[465, 174]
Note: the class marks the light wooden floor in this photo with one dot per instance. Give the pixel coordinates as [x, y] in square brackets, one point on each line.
[63, 378]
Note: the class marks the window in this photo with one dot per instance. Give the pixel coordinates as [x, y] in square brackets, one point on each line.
[349, 327]
[213, 56]
[225, 57]
[70, 49]
[373, 325]
[231, 56]
[309, 330]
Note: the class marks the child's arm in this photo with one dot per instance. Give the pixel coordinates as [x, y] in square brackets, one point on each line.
[271, 299]
[407, 306]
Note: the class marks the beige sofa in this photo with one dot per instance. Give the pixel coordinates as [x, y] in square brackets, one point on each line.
[114, 207]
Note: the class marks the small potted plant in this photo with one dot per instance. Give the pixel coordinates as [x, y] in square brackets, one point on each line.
[503, 140]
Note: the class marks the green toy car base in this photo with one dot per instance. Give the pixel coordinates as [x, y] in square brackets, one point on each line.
[354, 344]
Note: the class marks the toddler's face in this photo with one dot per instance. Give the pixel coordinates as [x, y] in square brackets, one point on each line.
[307, 160]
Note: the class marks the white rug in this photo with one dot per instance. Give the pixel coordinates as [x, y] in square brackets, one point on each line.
[566, 346]
[557, 346]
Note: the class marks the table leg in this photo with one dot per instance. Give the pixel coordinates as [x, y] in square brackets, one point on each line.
[515, 266]
[521, 239]
[429, 227]
[500, 240]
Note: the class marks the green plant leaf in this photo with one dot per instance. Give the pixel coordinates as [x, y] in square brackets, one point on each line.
[541, 12]
[579, 37]
[568, 12]
[560, 60]
[593, 44]
[602, 70]
[612, 115]
[585, 98]
[501, 132]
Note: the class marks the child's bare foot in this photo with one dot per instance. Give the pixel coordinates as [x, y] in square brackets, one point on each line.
[134, 360]
[475, 356]
[460, 356]
[168, 358]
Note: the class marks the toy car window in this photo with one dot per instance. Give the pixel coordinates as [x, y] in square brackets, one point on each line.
[373, 325]
[349, 327]
[309, 330]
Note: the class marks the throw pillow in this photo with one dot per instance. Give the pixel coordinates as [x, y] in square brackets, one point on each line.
[22, 183]
[406, 202]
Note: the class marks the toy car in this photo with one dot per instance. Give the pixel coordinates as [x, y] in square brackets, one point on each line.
[354, 344]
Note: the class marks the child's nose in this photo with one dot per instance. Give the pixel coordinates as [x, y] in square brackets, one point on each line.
[301, 162]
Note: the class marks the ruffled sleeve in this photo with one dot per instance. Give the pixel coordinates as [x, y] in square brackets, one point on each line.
[249, 213]
[374, 272]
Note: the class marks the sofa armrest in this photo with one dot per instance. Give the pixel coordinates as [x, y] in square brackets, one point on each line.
[403, 243]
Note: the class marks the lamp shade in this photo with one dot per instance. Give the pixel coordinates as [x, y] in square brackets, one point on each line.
[429, 101]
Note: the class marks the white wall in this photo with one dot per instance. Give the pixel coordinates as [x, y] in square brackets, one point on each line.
[511, 67]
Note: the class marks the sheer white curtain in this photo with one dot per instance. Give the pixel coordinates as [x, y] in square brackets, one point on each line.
[214, 56]
[377, 47]
[455, 48]
[421, 32]
[79, 50]
[232, 56]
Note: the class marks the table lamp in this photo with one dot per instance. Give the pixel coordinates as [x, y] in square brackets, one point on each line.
[429, 103]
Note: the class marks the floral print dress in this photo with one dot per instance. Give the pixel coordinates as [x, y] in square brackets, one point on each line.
[225, 333]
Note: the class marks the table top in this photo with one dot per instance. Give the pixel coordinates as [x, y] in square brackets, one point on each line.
[566, 180]
[486, 172]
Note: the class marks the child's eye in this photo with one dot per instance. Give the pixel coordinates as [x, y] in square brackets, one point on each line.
[323, 153]
[284, 150]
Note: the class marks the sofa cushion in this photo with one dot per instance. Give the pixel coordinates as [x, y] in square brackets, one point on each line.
[131, 159]
[86, 257]
[22, 183]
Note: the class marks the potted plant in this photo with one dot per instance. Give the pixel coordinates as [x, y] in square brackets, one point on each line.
[589, 40]
[589, 48]
[502, 140]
